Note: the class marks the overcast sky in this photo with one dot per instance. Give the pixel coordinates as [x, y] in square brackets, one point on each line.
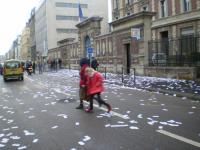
[14, 14]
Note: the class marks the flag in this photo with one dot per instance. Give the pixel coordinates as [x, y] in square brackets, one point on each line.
[80, 12]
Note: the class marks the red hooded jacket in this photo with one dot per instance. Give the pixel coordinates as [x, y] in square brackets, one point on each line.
[95, 83]
[83, 76]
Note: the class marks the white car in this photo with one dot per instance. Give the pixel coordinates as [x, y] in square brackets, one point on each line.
[159, 59]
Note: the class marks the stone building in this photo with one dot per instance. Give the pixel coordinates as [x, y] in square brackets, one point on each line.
[151, 37]
[32, 40]
[56, 21]
[25, 45]
[175, 39]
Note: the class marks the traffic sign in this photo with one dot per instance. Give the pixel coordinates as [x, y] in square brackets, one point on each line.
[90, 50]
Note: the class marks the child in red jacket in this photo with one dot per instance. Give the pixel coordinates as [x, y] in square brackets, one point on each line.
[95, 87]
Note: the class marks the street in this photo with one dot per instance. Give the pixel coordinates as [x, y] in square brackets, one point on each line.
[39, 114]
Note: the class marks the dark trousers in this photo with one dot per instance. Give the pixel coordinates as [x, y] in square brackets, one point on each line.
[98, 99]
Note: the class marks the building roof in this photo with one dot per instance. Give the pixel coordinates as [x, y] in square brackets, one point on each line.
[88, 20]
[133, 16]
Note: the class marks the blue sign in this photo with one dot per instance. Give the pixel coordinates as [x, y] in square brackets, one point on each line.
[90, 50]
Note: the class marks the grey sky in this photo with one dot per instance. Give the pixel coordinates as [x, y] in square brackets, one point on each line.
[14, 14]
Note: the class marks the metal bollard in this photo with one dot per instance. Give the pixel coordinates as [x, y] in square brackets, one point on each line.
[122, 75]
[105, 72]
[134, 75]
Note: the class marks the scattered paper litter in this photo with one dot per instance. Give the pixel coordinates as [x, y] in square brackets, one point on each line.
[133, 128]
[43, 110]
[139, 116]
[81, 143]
[107, 125]
[35, 140]
[165, 109]
[99, 116]
[77, 123]
[23, 147]
[86, 138]
[27, 133]
[2, 145]
[119, 125]
[15, 145]
[54, 127]
[15, 137]
[4, 140]
[128, 112]
[62, 115]
[133, 121]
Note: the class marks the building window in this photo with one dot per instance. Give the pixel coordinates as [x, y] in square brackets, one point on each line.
[128, 2]
[73, 18]
[66, 30]
[163, 8]
[116, 4]
[110, 47]
[97, 48]
[70, 5]
[144, 8]
[186, 5]
[188, 40]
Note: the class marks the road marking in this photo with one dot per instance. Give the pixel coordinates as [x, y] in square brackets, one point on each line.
[180, 138]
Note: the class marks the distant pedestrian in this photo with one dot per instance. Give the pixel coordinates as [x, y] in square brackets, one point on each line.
[40, 67]
[60, 63]
[95, 88]
[84, 63]
[94, 63]
[34, 67]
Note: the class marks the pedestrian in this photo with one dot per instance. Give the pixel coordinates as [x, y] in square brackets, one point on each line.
[94, 63]
[40, 67]
[34, 67]
[84, 63]
[60, 63]
[95, 88]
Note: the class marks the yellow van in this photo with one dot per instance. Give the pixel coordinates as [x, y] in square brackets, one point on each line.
[13, 70]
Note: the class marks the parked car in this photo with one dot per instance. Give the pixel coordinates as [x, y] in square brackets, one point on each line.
[159, 59]
[13, 70]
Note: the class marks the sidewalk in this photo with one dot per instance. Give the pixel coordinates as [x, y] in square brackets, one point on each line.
[181, 88]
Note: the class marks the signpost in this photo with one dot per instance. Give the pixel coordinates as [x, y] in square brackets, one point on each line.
[90, 51]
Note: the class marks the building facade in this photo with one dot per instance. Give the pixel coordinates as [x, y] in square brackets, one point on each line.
[154, 38]
[56, 21]
[32, 40]
[25, 52]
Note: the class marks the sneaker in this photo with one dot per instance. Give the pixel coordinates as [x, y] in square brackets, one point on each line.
[109, 109]
[88, 110]
[80, 106]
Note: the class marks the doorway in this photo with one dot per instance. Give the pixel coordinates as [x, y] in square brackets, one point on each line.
[164, 42]
[127, 58]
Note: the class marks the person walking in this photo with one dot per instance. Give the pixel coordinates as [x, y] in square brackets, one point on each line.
[95, 86]
[34, 67]
[40, 67]
[84, 63]
[94, 63]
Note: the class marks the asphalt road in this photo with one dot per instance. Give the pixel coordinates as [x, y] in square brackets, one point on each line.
[39, 114]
